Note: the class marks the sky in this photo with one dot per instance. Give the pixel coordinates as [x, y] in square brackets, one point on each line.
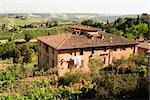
[75, 6]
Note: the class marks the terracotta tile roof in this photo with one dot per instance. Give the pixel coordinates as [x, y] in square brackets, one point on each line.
[143, 45]
[72, 41]
[83, 27]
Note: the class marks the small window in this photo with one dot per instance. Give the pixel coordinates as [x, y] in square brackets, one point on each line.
[75, 53]
[52, 63]
[81, 52]
[115, 49]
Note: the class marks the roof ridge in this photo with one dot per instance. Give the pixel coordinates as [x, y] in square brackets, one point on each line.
[64, 41]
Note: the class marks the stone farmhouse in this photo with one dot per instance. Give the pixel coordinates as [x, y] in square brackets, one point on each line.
[74, 50]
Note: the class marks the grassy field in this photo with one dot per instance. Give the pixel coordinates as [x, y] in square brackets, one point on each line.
[34, 32]
[41, 31]
[4, 35]
[20, 22]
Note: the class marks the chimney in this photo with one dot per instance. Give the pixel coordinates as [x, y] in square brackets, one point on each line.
[111, 39]
[90, 36]
[103, 37]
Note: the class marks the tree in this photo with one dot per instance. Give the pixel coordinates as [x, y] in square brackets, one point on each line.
[120, 21]
[93, 23]
[6, 50]
[14, 29]
[26, 53]
[48, 24]
[55, 23]
[16, 55]
[28, 37]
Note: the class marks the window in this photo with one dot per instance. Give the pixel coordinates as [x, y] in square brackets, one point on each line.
[52, 63]
[131, 47]
[103, 54]
[81, 52]
[75, 53]
[115, 49]
[124, 48]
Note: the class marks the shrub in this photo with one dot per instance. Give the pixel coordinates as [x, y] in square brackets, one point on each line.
[28, 37]
[142, 70]
[7, 49]
[26, 53]
[95, 64]
[68, 78]
[116, 85]
[138, 59]
[88, 91]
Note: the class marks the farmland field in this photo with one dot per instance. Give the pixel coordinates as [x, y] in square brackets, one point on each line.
[35, 32]
[41, 31]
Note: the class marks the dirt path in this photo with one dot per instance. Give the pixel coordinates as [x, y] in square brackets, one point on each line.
[4, 66]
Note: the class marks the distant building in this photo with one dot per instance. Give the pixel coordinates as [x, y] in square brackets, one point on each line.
[143, 47]
[74, 50]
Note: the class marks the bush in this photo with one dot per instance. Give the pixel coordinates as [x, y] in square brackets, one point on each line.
[138, 60]
[119, 62]
[116, 85]
[68, 78]
[95, 64]
[26, 53]
[88, 91]
[33, 46]
[27, 37]
[142, 70]
[9, 76]
[7, 50]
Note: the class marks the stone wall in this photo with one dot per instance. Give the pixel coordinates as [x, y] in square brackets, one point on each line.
[46, 56]
[106, 55]
[49, 57]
